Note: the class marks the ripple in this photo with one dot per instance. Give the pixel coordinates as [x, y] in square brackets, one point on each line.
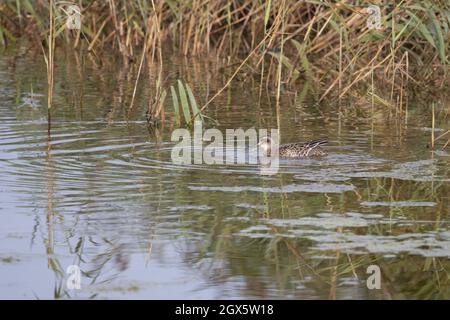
[313, 187]
[398, 203]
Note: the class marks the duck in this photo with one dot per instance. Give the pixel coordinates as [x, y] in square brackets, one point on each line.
[295, 150]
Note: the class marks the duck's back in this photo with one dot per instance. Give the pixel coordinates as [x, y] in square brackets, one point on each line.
[301, 150]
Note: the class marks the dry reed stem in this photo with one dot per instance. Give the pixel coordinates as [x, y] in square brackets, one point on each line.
[234, 74]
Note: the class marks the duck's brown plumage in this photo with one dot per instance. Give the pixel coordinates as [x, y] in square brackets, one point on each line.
[302, 150]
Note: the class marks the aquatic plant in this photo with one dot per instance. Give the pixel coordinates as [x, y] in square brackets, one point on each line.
[185, 100]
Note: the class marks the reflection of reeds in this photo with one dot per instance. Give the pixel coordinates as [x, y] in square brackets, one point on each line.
[286, 257]
[52, 261]
[433, 139]
[49, 63]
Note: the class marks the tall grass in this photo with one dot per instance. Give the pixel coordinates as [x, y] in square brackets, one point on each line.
[287, 40]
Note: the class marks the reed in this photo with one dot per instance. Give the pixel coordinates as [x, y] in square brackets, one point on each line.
[185, 100]
[49, 57]
[433, 122]
[447, 133]
[286, 40]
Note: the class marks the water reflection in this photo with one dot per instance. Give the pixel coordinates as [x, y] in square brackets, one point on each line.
[101, 192]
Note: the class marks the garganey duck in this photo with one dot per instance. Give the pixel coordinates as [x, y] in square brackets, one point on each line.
[295, 150]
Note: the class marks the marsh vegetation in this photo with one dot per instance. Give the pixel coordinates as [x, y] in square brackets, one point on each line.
[85, 123]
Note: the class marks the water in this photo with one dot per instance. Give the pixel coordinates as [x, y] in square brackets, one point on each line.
[101, 192]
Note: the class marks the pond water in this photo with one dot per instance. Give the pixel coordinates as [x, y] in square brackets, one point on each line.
[100, 191]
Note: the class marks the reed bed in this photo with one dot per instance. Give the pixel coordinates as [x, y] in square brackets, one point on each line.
[283, 41]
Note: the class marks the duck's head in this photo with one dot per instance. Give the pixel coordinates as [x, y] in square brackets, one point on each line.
[265, 144]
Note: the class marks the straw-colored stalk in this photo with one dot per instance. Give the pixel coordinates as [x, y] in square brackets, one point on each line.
[50, 57]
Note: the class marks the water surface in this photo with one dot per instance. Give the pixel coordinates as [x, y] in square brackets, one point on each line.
[100, 191]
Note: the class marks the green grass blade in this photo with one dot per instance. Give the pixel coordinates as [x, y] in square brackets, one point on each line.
[402, 31]
[439, 36]
[267, 14]
[195, 110]
[184, 102]
[176, 105]
[423, 29]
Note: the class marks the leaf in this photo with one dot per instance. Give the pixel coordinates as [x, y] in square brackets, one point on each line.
[176, 106]
[423, 29]
[184, 102]
[195, 110]
[440, 38]
[267, 14]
